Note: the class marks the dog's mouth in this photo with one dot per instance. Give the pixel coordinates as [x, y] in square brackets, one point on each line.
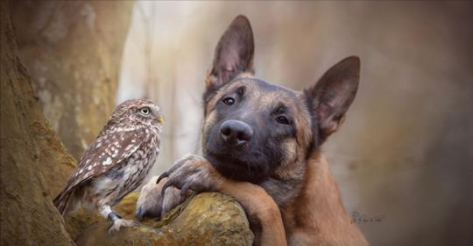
[242, 165]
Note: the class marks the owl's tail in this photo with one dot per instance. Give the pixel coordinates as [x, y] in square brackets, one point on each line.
[63, 201]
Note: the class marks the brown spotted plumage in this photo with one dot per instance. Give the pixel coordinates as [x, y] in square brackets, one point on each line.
[117, 162]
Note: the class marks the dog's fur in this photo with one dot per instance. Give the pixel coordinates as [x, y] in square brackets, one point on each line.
[278, 174]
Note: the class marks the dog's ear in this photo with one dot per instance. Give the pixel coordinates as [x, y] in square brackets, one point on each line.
[333, 94]
[233, 54]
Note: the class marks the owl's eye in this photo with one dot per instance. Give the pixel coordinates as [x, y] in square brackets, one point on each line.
[282, 120]
[145, 111]
[228, 101]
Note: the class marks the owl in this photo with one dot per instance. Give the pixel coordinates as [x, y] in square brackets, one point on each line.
[116, 163]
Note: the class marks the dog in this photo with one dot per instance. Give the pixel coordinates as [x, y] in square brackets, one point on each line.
[262, 145]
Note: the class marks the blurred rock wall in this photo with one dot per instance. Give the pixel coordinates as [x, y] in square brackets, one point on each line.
[73, 51]
[34, 164]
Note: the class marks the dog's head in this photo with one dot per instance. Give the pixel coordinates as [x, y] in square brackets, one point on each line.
[253, 129]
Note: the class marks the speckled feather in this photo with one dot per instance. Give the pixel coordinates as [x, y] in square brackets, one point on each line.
[117, 162]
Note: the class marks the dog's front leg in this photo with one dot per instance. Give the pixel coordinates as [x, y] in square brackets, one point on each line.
[258, 204]
[197, 174]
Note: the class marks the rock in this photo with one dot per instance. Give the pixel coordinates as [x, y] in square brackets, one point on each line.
[73, 51]
[28, 214]
[204, 219]
[81, 219]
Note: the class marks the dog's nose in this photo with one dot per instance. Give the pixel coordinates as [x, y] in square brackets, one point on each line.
[236, 133]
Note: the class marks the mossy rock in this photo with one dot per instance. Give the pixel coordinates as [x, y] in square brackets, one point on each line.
[80, 220]
[204, 219]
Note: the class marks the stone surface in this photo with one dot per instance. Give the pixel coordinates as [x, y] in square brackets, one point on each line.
[73, 51]
[28, 214]
[204, 219]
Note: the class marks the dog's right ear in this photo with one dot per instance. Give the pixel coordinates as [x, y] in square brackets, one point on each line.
[332, 95]
[233, 54]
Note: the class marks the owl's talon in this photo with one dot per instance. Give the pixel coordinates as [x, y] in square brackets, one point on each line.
[118, 223]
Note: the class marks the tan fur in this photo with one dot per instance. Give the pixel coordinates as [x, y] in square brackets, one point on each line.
[299, 203]
[318, 217]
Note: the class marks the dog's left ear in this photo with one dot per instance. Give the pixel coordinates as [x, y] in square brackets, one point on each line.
[233, 54]
[333, 94]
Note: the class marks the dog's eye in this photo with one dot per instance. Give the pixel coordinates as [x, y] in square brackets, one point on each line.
[228, 101]
[282, 120]
[145, 111]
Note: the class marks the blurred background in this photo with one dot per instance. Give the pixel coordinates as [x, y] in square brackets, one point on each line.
[404, 153]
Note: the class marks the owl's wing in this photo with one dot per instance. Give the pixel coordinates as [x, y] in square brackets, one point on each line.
[106, 151]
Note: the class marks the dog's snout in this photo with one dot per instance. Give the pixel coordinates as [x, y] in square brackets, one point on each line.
[236, 133]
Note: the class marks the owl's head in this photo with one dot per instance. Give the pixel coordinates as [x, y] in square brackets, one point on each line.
[138, 111]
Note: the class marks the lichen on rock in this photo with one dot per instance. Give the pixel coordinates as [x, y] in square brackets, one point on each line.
[204, 219]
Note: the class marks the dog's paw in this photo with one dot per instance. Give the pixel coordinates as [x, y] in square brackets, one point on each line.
[191, 173]
[162, 194]
[152, 203]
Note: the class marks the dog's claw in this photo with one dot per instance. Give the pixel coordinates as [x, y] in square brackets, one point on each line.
[188, 173]
[184, 189]
[167, 184]
[163, 190]
[162, 176]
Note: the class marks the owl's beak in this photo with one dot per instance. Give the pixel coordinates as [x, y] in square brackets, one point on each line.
[160, 119]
